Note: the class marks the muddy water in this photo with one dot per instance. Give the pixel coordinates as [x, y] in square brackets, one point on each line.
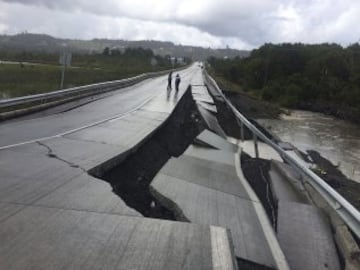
[337, 140]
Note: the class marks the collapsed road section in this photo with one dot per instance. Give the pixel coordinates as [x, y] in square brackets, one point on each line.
[132, 177]
[180, 174]
[205, 185]
[170, 159]
[54, 215]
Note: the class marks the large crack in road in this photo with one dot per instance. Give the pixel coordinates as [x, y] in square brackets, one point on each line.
[131, 178]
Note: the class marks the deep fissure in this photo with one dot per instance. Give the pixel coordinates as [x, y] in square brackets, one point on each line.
[256, 171]
[132, 177]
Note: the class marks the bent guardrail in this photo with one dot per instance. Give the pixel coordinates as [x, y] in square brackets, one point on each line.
[346, 211]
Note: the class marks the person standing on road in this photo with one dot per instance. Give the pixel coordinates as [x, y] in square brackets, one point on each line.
[177, 82]
[169, 80]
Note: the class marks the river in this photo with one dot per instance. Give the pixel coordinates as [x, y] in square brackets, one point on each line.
[336, 140]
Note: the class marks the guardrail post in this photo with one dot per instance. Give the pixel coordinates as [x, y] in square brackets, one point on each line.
[242, 131]
[256, 145]
[240, 123]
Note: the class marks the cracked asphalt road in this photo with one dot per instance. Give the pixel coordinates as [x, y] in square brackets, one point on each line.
[119, 103]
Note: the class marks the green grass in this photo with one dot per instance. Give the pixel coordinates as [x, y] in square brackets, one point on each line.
[20, 80]
[34, 79]
[229, 86]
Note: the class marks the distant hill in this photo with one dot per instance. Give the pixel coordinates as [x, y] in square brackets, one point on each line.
[45, 43]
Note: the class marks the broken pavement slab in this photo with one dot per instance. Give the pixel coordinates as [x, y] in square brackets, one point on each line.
[53, 163]
[291, 175]
[210, 154]
[303, 230]
[85, 193]
[207, 106]
[82, 153]
[38, 175]
[126, 131]
[210, 193]
[282, 187]
[46, 238]
[304, 234]
[200, 93]
[214, 92]
[211, 139]
[55, 215]
[220, 177]
[211, 121]
[54, 183]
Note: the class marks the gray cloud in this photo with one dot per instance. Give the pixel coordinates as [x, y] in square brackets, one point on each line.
[238, 22]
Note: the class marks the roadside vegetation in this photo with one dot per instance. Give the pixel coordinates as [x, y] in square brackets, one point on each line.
[324, 78]
[41, 72]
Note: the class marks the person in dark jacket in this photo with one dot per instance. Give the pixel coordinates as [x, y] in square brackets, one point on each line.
[177, 82]
[169, 81]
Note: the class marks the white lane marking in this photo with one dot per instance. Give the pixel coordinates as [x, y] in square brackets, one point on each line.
[79, 128]
[269, 233]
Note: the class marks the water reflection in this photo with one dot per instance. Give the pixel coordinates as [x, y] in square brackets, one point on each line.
[176, 94]
[168, 92]
[337, 140]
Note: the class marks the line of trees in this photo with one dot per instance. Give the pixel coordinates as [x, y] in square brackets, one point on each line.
[132, 58]
[298, 75]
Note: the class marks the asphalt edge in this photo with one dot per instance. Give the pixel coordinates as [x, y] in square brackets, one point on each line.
[347, 246]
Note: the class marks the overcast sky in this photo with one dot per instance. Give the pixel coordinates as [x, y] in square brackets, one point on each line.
[241, 24]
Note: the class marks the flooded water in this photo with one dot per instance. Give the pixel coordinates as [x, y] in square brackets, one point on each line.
[337, 140]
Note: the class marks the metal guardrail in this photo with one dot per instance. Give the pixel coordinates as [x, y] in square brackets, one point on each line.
[346, 211]
[91, 89]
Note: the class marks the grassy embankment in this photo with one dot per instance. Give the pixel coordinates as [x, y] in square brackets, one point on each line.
[248, 103]
[19, 80]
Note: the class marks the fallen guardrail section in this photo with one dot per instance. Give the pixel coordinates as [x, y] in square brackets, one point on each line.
[13, 107]
[345, 210]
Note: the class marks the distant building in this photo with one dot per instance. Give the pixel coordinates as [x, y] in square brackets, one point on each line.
[177, 60]
[180, 60]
